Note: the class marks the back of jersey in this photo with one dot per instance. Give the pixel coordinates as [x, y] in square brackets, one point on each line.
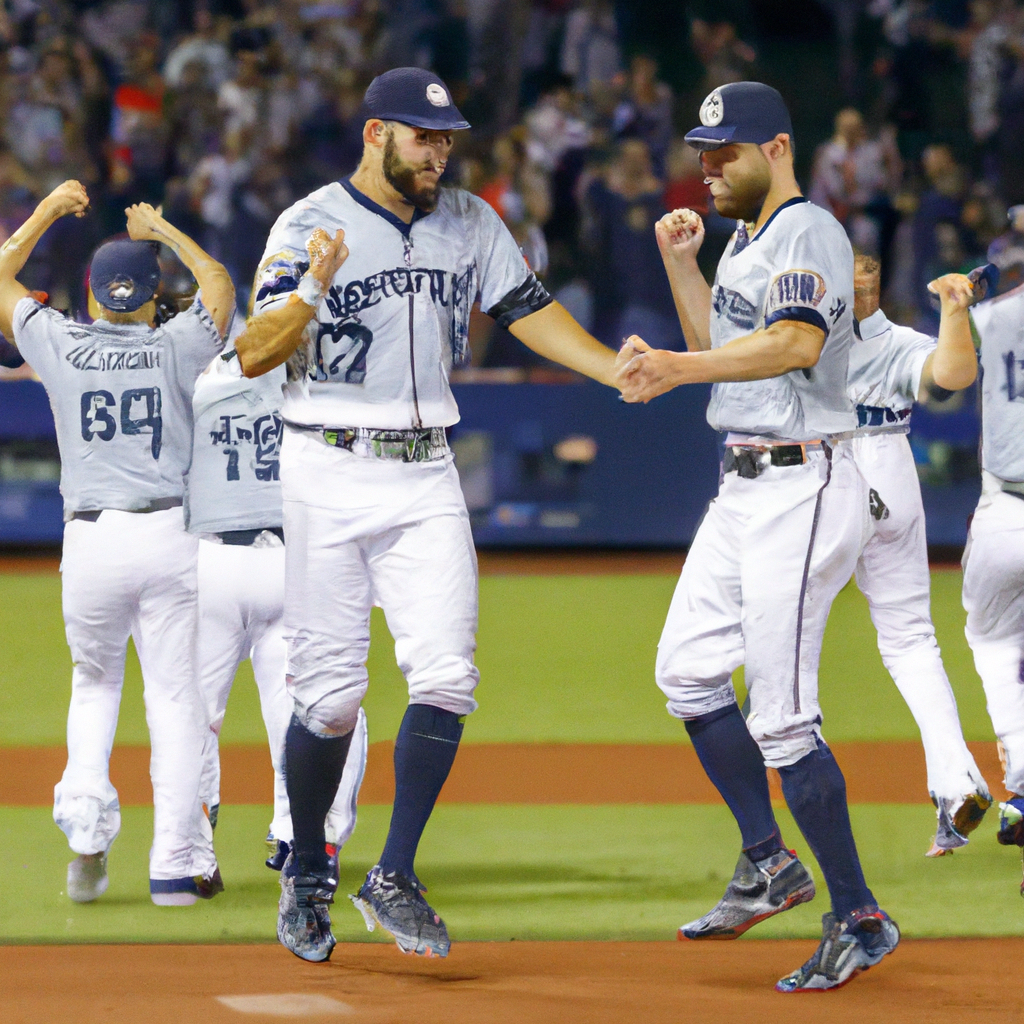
[121, 396]
[1000, 325]
[234, 483]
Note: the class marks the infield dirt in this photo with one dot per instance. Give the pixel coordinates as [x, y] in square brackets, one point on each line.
[933, 981]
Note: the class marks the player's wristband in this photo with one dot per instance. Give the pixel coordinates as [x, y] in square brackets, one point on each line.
[310, 290]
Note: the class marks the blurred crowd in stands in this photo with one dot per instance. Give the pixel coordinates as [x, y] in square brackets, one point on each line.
[226, 111]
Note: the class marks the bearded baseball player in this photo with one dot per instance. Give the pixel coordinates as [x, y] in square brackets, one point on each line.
[890, 368]
[784, 533]
[993, 593]
[373, 510]
[233, 504]
[121, 392]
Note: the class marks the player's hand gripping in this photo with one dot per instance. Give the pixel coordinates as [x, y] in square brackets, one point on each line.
[68, 197]
[642, 372]
[955, 292]
[326, 255]
[680, 235]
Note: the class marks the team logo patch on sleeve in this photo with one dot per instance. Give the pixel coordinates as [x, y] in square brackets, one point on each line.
[796, 288]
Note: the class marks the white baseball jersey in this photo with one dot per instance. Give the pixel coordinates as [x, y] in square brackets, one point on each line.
[886, 363]
[799, 266]
[396, 319]
[121, 396]
[1000, 325]
[234, 482]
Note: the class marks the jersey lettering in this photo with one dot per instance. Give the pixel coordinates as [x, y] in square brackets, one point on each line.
[140, 414]
[265, 437]
[96, 421]
[733, 306]
[1014, 376]
[338, 342]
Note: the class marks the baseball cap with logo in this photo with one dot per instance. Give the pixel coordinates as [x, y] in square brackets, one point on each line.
[415, 97]
[741, 112]
[124, 275]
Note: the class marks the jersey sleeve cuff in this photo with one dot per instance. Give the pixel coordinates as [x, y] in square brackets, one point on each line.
[529, 297]
[799, 313]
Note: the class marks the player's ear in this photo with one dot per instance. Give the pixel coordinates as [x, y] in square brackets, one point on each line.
[374, 132]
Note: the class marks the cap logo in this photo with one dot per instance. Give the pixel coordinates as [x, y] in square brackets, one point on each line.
[437, 95]
[712, 110]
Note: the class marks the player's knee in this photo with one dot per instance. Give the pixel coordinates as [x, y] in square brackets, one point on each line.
[446, 681]
[780, 750]
[334, 714]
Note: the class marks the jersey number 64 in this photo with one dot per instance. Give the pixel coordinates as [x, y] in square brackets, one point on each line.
[140, 414]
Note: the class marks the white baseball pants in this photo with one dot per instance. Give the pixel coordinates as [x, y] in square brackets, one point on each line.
[362, 532]
[241, 615]
[134, 574]
[993, 598]
[893, 575]
[756, 588]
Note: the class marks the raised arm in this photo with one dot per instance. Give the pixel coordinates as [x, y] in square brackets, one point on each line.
[69, 197]
[146, 225]
[270, 338]
[680, 235]
[954, 363]
[785, 346]
[553, 333]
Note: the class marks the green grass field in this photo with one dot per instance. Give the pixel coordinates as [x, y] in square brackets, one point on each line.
[565, 659]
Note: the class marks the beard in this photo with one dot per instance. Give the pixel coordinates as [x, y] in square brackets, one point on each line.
[402, 178]
[746, 196]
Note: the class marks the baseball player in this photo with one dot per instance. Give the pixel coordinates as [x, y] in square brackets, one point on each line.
[233, 504]
[993, 593]
[784, 533]
[890, 368]
[121, 394]
[373, 510]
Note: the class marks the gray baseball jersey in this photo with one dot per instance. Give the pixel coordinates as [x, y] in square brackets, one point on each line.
[396, 319]
[1000, 326]
[799, 266]
[234, 482]
[121, 396]
[886, 363]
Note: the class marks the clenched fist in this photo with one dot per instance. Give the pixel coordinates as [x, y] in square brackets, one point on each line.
[326, 255]
[680, 235]
[68, 197]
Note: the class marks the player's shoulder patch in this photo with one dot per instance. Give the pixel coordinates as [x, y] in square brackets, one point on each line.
[796, 288]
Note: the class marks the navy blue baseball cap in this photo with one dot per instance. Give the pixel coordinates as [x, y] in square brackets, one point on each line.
[413, 96]
[124, 275]
[741, 112]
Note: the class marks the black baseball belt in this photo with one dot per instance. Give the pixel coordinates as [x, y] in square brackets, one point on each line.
[750, 461]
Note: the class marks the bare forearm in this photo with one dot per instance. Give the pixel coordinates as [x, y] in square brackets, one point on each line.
[552, 333]
[270, 338]
[692, 298]
[954, 363]
[213, 279]
[16, 250]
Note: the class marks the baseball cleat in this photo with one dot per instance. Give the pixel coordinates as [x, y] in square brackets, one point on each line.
[849, 946]
[1011, 822]
[87, 877]
[303, 920]
[396, 903]
[183, 892]
[758, 890]
[278, 852]
[957, 821]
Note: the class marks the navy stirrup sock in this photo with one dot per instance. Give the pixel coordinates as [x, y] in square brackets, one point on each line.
[733, 762]
[815, 790]
[313, 765]
[424, 753]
